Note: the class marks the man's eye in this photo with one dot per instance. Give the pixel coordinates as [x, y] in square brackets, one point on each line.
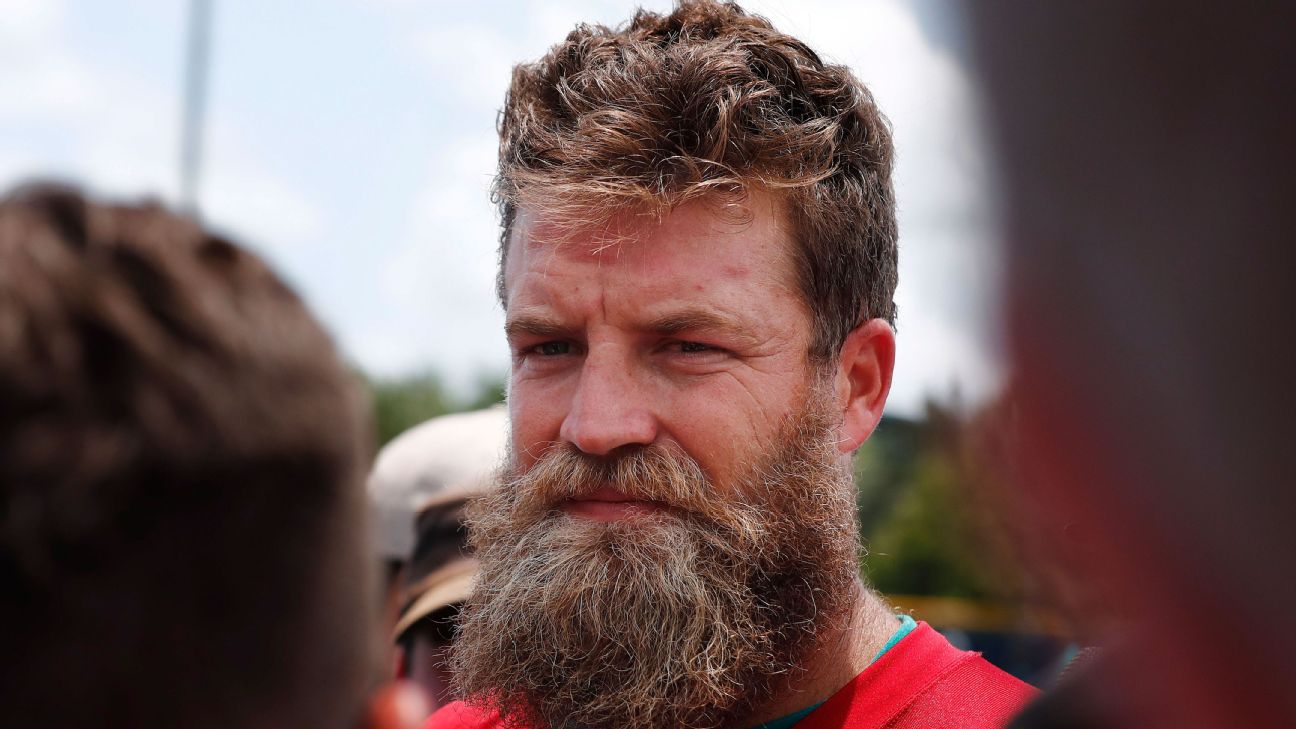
[552, 349]
[694, 349]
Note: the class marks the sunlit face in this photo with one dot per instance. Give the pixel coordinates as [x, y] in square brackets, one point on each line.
[675, 471]
[690, 332]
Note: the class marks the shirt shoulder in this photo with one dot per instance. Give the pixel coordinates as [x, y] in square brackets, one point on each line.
[460, 715]
[924, 682]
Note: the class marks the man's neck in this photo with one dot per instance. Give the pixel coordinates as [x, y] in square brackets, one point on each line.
[841, 654]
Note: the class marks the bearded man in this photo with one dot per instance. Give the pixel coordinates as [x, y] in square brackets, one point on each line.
[698, 263]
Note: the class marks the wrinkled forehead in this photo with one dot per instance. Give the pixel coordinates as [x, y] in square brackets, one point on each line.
[539, 239]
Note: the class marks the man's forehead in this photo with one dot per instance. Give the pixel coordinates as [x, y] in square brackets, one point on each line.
[759, 217]
[538, 232]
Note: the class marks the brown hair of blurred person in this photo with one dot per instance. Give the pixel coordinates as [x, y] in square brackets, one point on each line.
[710, 103]
[1148, 159]
[181, 510]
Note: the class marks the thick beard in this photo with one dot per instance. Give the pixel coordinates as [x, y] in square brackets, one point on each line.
[683, 618]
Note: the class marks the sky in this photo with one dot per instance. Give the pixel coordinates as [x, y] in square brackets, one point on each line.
[352, 143]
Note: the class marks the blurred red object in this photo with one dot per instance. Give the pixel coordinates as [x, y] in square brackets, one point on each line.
[1147, 153]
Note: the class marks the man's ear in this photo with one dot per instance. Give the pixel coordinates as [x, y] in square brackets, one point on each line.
[863, 381]
[397, 705]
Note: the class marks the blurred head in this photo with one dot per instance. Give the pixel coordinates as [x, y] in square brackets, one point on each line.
[1147, 159]
[438, 579]
[419, 485]
[181, 453]
[441, 460]
[417, 488]
[698, 266]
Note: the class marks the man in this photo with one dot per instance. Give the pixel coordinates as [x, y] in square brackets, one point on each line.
[698, 263]
[437, 464]
[181, 506]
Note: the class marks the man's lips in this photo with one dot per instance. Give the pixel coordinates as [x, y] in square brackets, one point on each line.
[608, 504]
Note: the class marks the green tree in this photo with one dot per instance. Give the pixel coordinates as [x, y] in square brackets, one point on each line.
[403, 402]
[400, 403]
[925, 545]
[927, 514]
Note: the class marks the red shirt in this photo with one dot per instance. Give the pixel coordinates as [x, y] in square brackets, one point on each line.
[923, 682]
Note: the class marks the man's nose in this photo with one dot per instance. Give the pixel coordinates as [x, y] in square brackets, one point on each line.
[610, 408]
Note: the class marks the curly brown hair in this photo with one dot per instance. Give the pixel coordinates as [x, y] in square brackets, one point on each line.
[710, 102]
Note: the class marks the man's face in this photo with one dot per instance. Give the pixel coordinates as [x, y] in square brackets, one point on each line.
[691, 332]
[675, 525]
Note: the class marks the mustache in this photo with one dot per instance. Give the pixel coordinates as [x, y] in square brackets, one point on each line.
[677, 617]
[664, 473]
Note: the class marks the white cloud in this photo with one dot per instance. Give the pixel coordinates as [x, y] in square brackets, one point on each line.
[439, 283]
[28, 19]
[66, 114]
[240, 191]
[469, 61]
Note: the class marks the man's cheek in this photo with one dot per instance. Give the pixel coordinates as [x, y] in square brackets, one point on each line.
[537, 412]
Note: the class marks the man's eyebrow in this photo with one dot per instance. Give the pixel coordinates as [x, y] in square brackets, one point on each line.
[701, 320]
[534, 325]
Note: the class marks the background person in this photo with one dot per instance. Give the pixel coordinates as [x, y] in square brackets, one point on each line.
[445, 456]
[182, 521]
[1147, 160]
[443, 462]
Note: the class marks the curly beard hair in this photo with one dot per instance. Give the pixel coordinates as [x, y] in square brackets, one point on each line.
[682, 617]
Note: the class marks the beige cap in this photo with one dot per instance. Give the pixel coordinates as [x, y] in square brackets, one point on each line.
[444, 459]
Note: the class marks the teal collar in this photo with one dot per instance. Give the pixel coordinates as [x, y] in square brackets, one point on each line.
[907, 625]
